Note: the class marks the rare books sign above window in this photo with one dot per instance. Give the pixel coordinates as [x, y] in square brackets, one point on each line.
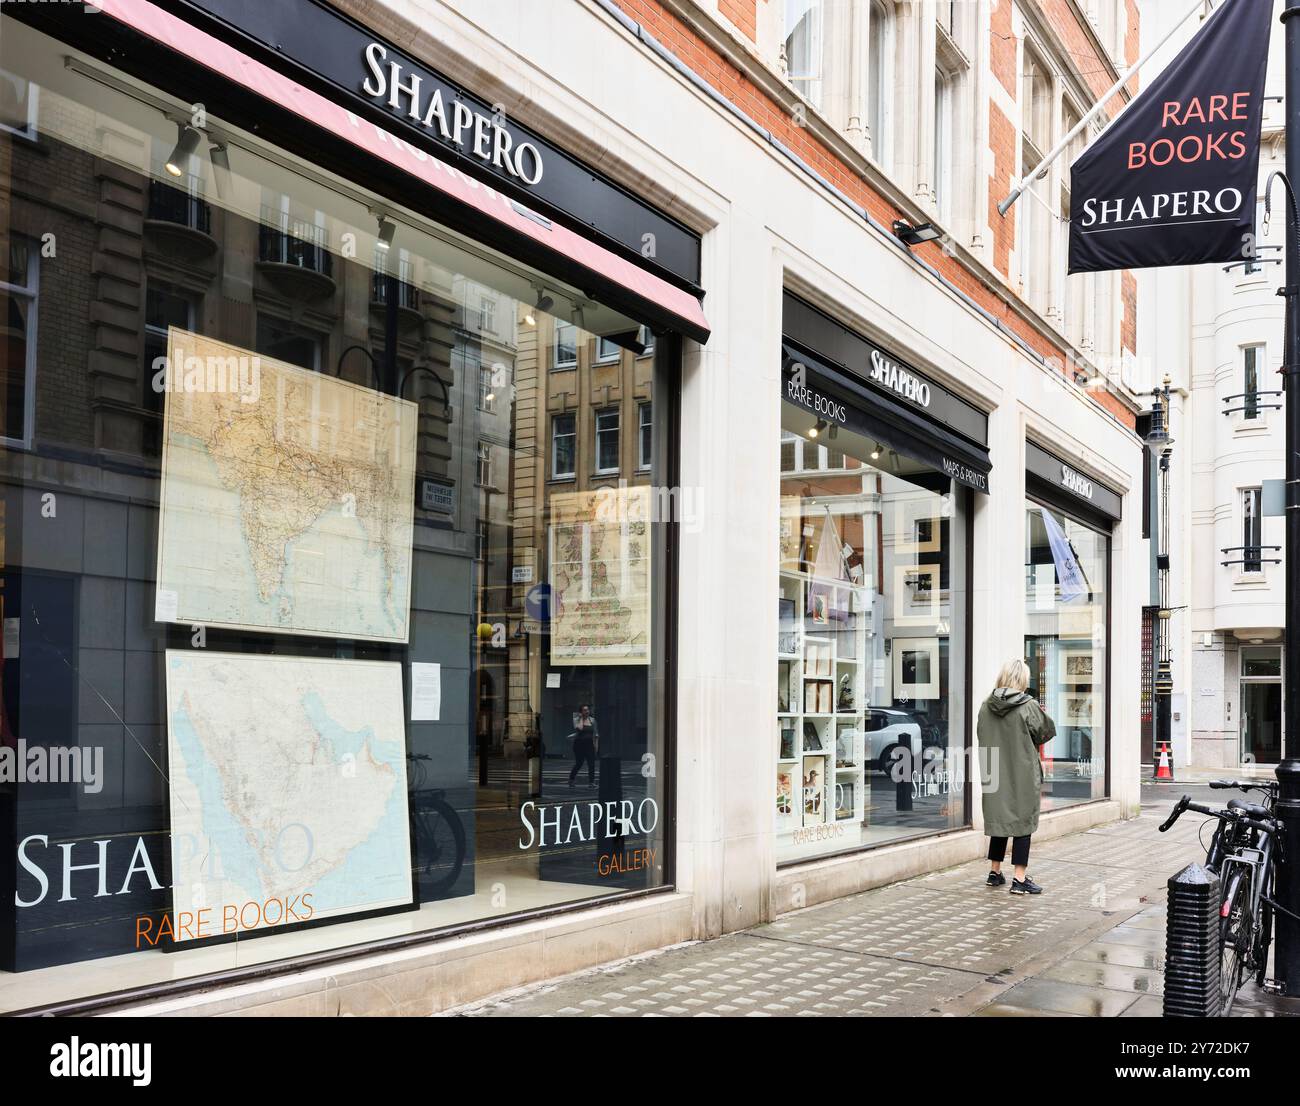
[1173, 181]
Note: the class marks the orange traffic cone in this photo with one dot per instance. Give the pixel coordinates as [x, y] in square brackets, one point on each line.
[1163, 770]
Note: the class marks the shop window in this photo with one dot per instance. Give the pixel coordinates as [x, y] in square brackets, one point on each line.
[607, 437]
[645, 435]
[870, 732]
[564, 442]
[565, 351]
[18, 355]
[1067, 568]
[803, 47]
[322, 498]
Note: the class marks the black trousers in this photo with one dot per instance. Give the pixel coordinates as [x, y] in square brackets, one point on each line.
[584, 749]
[1019, 850]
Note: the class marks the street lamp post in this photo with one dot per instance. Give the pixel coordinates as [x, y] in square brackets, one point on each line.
[1159, 441]
[1287, 965]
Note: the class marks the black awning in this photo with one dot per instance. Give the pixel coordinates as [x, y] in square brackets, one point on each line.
[866, 411]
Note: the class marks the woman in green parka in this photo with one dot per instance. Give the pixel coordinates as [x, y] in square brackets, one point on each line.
[1011, 727]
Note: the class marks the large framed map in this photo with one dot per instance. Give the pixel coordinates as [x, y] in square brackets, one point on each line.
[288, 497]
[288, 789]
[600, 576]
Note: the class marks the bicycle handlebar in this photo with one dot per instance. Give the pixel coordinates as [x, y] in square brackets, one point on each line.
[1267, 786]
[1185, 804]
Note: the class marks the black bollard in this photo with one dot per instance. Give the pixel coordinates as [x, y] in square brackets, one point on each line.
[1192, 945]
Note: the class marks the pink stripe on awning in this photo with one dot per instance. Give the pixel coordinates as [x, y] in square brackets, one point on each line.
[315, 109]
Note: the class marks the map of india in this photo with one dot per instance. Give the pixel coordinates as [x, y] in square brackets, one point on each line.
[287, 497]
[288, 786]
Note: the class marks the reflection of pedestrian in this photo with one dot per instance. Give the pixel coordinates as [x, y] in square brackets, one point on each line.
[1012, 726]
[586, 740]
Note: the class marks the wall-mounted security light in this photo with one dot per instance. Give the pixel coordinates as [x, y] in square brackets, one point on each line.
[387, 232]
[914, 235]
[187, 141]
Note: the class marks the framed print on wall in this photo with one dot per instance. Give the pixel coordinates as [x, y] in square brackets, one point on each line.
[916, 595]
[916, 667]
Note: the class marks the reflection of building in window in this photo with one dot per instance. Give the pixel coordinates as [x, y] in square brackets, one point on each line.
[564, 440]
[487, 400]
[485, 464]
[565, 353]
[482, 537]
[487, 314]
[607, 440]
[285, 342]
[18, 338]
[645, 436]
[163, 309]
[607, 350]
[18, 98]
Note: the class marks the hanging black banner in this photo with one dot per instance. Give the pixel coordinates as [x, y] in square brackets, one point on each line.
[1173, 181]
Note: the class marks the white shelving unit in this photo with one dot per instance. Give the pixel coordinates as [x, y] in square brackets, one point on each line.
[822, 703]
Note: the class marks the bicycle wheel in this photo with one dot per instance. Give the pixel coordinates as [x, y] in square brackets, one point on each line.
[439, 846]
[1236, 931]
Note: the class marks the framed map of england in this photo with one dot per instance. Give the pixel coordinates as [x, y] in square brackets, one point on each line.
[287, 497]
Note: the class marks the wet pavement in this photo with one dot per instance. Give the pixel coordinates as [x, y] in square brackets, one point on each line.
[941, 944]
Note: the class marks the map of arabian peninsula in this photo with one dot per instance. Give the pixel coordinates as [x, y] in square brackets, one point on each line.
[287, 497]
[288, 778]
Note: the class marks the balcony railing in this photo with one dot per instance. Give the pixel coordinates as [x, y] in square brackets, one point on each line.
[284, 240]
[1252, 557]
[1253, 403]
[180, 204]
[408, 295]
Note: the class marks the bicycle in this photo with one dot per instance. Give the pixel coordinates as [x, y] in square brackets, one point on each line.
[438, 832]
[1243, 853]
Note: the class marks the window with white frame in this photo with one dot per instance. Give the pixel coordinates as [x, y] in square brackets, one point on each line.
[564, 447]
[487, 398]
[1251, 530]
[645, 435]
[804, 21]
[607, 440]
[879, 33]
[1033, 216]
[484, 474]
[607, 350]
[18, 98]
[1075, 301]
[18, 292]
[647, 339]
[487, 315]
[1252, 364]
[566, 346]
[944, 96]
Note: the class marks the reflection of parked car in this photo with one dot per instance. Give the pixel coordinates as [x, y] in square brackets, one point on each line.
[932, 733]
[887, 730]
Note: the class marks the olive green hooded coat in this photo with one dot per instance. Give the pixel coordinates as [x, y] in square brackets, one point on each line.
[1010, 729]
